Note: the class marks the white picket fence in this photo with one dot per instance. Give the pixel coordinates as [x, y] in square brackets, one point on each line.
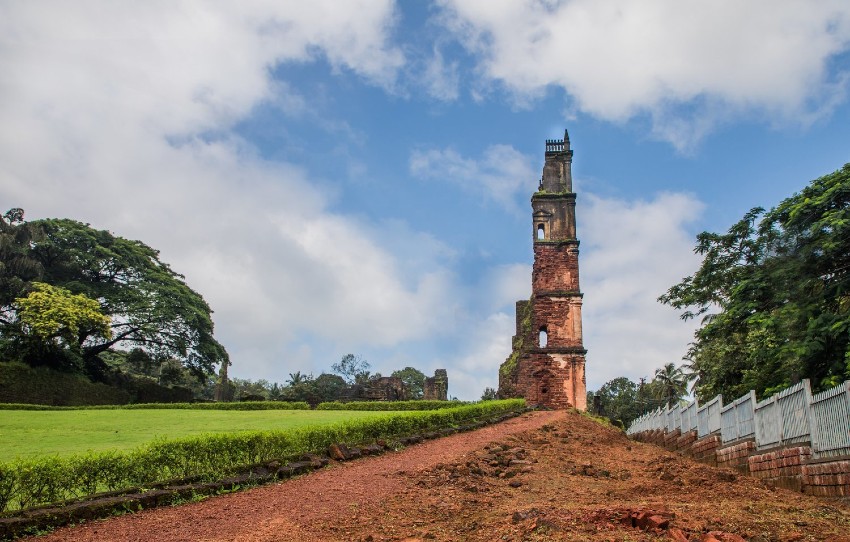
[792, 416]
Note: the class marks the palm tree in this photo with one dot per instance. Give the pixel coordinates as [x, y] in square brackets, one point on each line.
[672, 383]
[692, 372]
[296, 378]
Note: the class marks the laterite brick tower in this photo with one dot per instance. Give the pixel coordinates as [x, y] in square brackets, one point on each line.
[547, 363]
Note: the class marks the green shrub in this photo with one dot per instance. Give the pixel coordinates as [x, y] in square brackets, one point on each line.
[32, 482]
[390, 405]
[20, 383]
[250, 405]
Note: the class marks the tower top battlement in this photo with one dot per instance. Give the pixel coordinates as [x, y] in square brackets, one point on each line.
[557, 146]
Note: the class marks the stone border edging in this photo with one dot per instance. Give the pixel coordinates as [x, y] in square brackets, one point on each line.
[32, 521]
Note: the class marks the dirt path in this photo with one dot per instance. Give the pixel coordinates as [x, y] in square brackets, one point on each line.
[290, 510]
[543, 476]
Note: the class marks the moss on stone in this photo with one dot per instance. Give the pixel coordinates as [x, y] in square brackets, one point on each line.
[525, 319]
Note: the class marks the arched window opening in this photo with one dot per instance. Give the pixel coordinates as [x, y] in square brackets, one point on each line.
[541, 231]
[543, 338]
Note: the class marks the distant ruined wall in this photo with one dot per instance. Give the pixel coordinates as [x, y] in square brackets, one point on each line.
[385, 388]
[437, 387]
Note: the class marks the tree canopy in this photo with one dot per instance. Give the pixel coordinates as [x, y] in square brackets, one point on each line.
[352, 368]
[774, 293]
[671, 385]
[54, 314]
[147, 304]
[414, 381]
[624, 400]
[17, 266]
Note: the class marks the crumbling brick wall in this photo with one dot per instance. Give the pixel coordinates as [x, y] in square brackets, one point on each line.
[385, 388]
[436, 388]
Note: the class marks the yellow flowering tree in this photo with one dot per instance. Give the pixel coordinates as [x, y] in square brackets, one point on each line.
[55, 315]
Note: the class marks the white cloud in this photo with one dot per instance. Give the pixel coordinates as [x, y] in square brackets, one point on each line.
[118, 114]
[441, 78]
[487, 344]
[501, 174]
[686, 64]
[632, 252]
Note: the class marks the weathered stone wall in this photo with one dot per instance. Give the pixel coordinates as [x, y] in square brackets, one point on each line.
[436, 388]
[705, 449]
[783, 467]
[736, 456]
[385, 388]
[561, 317]
[555, 211]
[555, 268]
[827, 479]
[555, 380]
[791, 467]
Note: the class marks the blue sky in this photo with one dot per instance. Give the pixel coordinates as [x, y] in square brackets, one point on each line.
[355, 176]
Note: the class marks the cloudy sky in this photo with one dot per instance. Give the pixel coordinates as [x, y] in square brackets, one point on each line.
[355, 176]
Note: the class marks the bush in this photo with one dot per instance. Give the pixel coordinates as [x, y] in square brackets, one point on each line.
[249, 405]
[20, 383]
[390, 405]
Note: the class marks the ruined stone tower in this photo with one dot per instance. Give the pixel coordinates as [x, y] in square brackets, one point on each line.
[547, 363]
[436, 388]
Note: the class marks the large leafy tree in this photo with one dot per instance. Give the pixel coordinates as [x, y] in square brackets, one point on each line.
[17, 266]
[624, 400]
[414, 381]
[774, 293]
[149, 305]
[329, 387]
[352, 369]
[617, 400]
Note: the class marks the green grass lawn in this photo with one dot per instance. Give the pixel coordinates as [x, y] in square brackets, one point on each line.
[28, 433]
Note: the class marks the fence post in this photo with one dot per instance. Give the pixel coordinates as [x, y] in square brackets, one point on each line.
[737, 421]
[847, 394]
[813, 431]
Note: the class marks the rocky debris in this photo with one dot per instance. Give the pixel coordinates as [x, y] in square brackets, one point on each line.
[338, 452]
[648, 520]
[660, 522]
[497, 461]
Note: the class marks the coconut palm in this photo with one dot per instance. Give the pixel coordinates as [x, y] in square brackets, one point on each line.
[672, 383]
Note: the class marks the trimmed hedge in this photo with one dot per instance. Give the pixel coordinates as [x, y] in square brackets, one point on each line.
[390, 405]
[47, 480]
[20, 383]
[247, 405]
